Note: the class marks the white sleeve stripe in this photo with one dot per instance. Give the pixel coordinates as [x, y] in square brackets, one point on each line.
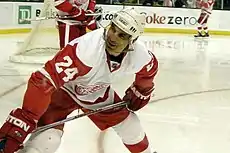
[56, 3]
[90, 11]
[67, 31]
[46, 74]
[78, 13]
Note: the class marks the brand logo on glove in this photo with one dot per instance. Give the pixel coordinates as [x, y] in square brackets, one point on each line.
[18, 123]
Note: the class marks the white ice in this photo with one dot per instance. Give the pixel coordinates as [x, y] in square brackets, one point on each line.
[190, 110]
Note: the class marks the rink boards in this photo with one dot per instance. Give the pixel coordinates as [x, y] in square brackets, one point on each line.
[158, 19]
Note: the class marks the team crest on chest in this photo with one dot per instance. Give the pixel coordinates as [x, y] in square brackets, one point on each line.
[80, 2]
[89, 89]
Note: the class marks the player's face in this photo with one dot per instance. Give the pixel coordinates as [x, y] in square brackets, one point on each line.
[116, 41]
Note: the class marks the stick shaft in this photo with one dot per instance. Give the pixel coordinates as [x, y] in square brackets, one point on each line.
[58, 17]
[91, 112]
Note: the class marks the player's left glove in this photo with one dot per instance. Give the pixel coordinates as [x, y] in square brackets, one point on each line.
[88, 18]
[137, 98]
[93, 22]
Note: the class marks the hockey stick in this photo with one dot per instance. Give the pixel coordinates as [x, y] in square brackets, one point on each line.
[91, 112]
[64, 19]
[71, 22]
[59, 17]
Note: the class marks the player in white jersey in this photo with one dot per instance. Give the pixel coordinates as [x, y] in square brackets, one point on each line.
[77, 22]
[206, 11]
[80, 77]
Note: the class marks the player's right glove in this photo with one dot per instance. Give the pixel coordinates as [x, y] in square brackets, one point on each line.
[137, 98]
[14, 131]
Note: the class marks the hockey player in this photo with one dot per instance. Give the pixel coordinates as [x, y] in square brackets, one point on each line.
[206, 10]
[79, 77]
[75, 26]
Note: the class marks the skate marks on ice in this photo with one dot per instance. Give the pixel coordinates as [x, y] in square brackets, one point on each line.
[12, 76]
[190, 122]
[190, 110]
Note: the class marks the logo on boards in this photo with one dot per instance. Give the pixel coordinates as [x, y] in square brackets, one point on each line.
[24, 13]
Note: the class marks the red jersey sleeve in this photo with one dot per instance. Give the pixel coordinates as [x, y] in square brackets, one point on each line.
[64, 6]
[64, 67]
[144, 78]
[91, 5]
[207, 3]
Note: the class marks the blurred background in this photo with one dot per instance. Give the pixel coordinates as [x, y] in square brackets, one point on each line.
[219, 4]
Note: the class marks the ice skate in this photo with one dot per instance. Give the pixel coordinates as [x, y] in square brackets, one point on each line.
[206, 34]
[199, 34]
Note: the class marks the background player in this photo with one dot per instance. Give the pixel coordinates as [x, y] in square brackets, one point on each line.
[206, 11]
[77, 21]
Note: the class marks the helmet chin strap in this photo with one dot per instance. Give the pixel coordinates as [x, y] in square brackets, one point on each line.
[130, 46]
[106, 29]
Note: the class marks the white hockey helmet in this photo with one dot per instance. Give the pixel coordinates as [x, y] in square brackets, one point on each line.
[130, 21]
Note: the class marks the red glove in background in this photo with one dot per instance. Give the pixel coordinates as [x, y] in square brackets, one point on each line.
[89, 18]
[78, 14]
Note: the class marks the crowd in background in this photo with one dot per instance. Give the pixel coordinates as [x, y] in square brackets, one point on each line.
[219, 4]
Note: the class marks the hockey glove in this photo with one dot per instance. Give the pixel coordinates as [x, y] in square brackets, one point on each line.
[89, 18]
[136, 98]
[14, 131]
[78, 14]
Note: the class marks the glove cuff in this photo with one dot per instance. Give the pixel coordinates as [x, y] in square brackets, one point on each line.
[145, 95]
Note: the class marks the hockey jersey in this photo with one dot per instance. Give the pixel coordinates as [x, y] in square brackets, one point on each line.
[82, 69]
[207, 6]
[65, 7]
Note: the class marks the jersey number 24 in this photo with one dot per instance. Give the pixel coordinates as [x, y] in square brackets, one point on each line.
[64, 67]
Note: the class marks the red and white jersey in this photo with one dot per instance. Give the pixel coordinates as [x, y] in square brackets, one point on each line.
[83, 69]
[65, 6]
[207, 6]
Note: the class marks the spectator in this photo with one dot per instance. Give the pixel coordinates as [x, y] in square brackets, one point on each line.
[102, 1]
[148, 2]
[180, 3]
[168, 3]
